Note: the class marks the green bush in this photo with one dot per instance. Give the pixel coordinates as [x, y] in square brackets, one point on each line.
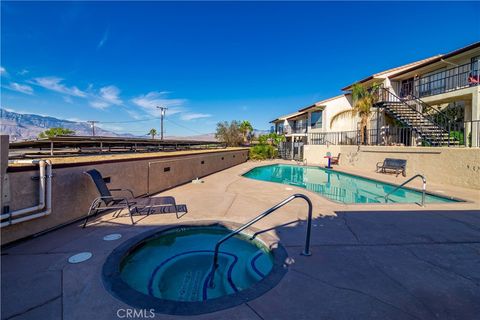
[457, 135]
[263, 152]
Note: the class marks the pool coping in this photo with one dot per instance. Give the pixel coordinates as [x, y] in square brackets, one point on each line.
[455, 199]
[114, 284]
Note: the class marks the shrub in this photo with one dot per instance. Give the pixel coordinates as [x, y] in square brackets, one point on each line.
[457, 135]
[263, 152]
[229, 133]
[53, 132]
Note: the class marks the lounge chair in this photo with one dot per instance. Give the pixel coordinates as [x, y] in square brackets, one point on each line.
[147, 205]
[335, 160]
[396, 165]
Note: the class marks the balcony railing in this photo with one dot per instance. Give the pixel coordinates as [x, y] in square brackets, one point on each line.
[465, 133]
[299, 128]
[452, 79]
[388, 136]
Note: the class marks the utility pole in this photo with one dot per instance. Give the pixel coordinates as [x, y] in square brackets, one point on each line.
[162, 115]
[92, 124]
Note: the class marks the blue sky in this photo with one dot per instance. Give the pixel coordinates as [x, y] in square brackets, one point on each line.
[208, 62]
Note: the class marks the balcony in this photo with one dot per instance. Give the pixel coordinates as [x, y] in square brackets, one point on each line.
[463, 76]
[296, 129]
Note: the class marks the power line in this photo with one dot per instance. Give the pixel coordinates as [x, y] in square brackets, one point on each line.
[182, 126]
[129, 121]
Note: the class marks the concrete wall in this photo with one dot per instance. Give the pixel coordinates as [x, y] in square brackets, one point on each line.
[73, 192]
[455, 166]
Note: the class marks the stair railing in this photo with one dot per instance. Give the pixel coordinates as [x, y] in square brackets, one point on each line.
[306, 251]
[388, 96]
[424, 188]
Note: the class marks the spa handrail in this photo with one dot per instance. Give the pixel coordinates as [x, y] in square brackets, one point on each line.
[424, 187]
[306, 251]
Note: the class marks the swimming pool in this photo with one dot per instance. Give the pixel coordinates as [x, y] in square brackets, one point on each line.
[177, 265]
[170, 270]
[339, 186]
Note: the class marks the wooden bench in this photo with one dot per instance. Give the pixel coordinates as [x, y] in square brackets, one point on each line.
[396, 165]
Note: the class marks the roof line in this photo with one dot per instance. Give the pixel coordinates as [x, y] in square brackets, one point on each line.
[316, 104]
[408, 65]
[439, 58]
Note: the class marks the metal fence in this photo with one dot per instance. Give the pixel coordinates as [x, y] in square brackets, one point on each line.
[383, 136]
[289, 151]
[462, 134]
[448, 80]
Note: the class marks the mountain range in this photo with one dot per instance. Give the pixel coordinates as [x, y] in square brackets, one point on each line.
[27, 126]
[20, 126]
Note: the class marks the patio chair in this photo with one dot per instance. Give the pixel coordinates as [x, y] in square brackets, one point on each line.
[147, 205]
[473, 79]
[335, 160]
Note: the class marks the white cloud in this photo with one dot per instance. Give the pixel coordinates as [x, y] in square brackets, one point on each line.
[99, 104]
[67, 99]
[151, 100]
[55, 84]
[110, 94]
[23, 88]
[103, 40]
[3, 71]
[107, 96]
[23, 72]
[101, 99]
[191, 116]
[133, 114]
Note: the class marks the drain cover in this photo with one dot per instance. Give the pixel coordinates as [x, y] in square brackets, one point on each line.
[80, 257]
[113, 236]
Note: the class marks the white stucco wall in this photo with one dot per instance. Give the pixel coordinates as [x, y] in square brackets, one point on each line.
[331, 108]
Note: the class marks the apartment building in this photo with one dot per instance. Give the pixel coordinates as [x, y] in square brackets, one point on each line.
[431, 102]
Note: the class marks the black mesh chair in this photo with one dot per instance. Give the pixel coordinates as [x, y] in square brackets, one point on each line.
[150, 205]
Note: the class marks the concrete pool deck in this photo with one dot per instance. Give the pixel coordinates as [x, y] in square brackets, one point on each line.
[395, 261]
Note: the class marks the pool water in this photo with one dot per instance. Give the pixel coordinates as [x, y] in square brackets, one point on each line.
[176, 265]
[338, 186]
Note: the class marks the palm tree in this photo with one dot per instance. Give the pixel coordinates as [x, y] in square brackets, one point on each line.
[245, 128]
[363, 100]
[153, 133]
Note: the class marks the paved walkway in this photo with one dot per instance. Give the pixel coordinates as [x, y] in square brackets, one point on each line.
[368, 262]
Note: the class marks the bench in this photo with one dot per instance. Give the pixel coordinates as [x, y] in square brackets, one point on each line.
[396, 165]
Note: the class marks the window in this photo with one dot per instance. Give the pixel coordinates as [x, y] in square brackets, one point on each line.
[475, 66]
[432, 83]
[316, 119]
[280, 128]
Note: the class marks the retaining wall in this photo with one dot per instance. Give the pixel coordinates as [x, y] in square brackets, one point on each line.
[73, 191]
[455, 166]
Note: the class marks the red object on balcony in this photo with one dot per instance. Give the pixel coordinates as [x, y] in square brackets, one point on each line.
[474, 78]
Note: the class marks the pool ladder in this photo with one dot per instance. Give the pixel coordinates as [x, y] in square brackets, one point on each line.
[424, 187]
[306, 251]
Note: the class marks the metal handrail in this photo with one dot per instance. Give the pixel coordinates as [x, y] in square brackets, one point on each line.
[424, 187]
[306, 251]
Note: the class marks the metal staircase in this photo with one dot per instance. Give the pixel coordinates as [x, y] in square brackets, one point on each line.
[431, 124]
